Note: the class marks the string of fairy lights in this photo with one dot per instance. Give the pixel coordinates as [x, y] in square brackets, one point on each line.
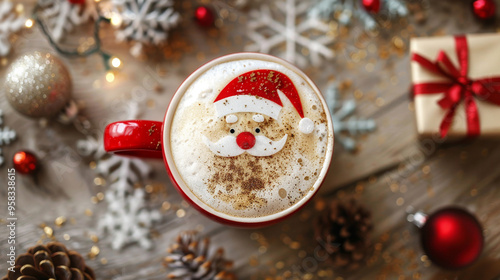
[111, 63]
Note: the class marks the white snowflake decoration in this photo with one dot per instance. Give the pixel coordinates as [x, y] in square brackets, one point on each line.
[290, 33]
[347, 9]
[127, 219]
[61, 16]
[144, 21]
[345, 126]
[10, 22]
[7, 135]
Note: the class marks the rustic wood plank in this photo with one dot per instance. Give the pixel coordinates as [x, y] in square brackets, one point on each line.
[387, 170]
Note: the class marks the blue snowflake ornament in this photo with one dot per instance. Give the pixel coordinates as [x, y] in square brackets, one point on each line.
[349, 9]
[345, 125]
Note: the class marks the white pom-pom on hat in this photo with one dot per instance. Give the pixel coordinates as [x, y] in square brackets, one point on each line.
[306, 126]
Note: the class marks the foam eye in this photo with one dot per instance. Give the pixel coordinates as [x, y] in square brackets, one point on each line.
[257, 130]
[231, 118]
[258, 118]
[232, 130]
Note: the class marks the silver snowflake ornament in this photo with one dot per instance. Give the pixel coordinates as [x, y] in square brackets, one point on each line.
[349, 9]
[127, 219]
[144, 21]
[345, 125]
[10, 22]
[7, 135]
[62, 16]
[285, 30]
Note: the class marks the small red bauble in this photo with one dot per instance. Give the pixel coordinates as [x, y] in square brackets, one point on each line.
[25, 162]
[77, 2]
[372, 6]
[484, 9]
[452, 238]
[204, 16]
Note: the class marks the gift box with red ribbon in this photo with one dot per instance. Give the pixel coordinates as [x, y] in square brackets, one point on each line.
[456, 83]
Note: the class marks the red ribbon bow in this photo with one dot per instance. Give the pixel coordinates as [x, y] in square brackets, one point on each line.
[459, 87]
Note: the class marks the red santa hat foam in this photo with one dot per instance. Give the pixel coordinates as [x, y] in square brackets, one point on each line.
[257, 91]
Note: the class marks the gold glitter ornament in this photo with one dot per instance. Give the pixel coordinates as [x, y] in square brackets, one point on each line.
[38, 85]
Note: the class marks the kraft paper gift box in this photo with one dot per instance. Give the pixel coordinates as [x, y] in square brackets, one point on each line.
[456, 82]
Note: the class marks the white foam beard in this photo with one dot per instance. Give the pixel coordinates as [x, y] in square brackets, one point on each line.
[227, 146]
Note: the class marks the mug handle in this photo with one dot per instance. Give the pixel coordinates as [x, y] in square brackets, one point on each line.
[137, 138]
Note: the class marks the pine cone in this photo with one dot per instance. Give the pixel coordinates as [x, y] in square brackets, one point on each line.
[188, 259]
[342, 229]
[50, 262]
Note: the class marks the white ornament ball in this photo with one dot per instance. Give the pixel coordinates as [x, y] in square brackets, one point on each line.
[38, 85]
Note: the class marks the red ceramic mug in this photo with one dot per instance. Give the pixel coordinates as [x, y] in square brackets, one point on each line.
[247, 139]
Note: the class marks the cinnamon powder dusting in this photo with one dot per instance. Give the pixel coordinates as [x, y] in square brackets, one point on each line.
[241, 178]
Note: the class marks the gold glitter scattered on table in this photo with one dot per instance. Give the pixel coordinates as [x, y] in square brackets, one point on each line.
[473, 192]
[180, 213]
[100, 196]
[94, 238]
[426, 169]
[403, 188]
[88, 212]
[262, 249]
[400, 201]
[253, 261]
[60, 221]
[48, 231]
[99, 181]
[94, 252]
[295, 245]
[166, 206]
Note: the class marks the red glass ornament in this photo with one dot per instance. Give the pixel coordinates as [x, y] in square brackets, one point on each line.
[451, 237]
[204, 16]
[372, 6]
[245, 140]
[77, 2]
[25, 162]
[484, 9]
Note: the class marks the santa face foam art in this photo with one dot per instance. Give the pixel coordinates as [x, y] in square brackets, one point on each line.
[252, 143]
[250, 103]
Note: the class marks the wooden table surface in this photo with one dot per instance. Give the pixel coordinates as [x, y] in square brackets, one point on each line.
[391, 170]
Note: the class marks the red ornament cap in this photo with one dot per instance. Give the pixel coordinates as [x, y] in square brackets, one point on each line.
[25, 162]
[484, 9]
[452, 238]
[372, 6]
[204, 16]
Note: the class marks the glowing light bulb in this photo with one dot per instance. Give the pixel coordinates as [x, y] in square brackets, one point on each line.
[116, 62]
[29, 23]
[116, 20]
[110, 77]
[19, 8]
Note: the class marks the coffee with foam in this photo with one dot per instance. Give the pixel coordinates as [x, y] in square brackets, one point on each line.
[249, 137]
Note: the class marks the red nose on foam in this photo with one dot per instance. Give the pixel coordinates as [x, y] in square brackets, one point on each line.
[245, 140]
